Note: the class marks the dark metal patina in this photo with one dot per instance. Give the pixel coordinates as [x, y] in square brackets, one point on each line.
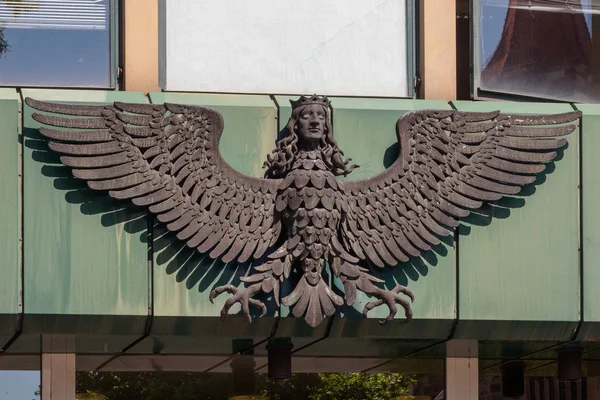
[166, 157]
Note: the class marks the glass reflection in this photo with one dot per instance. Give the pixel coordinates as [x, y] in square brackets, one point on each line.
[55, 43]
[539, 48]
[20, 385]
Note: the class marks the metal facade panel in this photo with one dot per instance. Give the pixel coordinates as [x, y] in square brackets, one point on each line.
[85, 255]
[10, 214]
[590, 219]
[183, 278]
[519, 271]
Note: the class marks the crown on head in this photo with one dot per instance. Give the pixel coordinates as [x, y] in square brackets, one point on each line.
[314, 99]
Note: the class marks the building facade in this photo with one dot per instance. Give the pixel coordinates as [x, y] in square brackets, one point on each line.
[96, 284]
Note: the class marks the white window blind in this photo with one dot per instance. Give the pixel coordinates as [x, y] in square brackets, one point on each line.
[338, 47]
[54, 14]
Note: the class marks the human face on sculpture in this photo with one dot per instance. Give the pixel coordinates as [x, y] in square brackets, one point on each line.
[310, 126]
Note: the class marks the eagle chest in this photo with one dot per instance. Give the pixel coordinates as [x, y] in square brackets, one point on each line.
[309, 205]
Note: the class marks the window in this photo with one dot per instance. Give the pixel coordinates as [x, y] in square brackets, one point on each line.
[57, 43]
[20, 384]
[537, 48]
[350, 47]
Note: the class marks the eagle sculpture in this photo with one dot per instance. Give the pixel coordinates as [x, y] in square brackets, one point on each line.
[166, 157]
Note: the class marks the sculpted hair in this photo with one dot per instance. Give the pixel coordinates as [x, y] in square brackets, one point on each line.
[280, 162]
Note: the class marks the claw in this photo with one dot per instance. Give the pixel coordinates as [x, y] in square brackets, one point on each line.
[371, 305]
[218, 290]
[242, 296]
[404, 290]
[391, 298]
[259, 304]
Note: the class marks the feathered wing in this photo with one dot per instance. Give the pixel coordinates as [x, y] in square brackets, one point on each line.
[450, 163]
[167, 157]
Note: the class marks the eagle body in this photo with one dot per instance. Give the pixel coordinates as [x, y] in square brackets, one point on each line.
[310, 202]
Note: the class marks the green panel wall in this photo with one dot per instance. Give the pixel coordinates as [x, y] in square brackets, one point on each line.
[519, 271]
[365, 129]
[85, 255]
[86, 260]
[590, 219]
[10, 214]
[184, 279]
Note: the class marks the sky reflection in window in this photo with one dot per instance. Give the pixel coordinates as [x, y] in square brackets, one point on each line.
[55, 43]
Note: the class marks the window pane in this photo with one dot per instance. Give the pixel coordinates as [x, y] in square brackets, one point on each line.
[286, 47]
[55, 43]
[19, 385]
[537, 48]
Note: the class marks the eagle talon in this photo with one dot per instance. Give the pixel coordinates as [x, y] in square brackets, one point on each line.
[220, 289]
[391, 298]
[242, 296]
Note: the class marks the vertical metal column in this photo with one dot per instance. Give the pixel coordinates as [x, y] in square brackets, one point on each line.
[58, 367]
[595, 49]
[438, 49]
[462, 370]
[141, 36]
[243, 375]
[593, 387]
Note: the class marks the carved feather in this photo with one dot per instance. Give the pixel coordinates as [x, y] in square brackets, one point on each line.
[118, 183]
[515, 155]
[528, 131]
[90, 136]
[508, 166]
[81, 123]
[66, 109]
[528, 144]
[97, 161]
[86, 149]
[487, 172]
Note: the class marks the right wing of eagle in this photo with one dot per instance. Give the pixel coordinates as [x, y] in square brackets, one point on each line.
[166, 157]
[450, 163]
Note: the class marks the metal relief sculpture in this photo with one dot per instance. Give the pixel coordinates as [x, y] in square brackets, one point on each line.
[166, 157]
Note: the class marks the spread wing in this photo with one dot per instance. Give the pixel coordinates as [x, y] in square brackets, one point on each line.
[167, 157]
[450, 163]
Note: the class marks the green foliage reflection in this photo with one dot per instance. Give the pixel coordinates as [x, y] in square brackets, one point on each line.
[212, 386]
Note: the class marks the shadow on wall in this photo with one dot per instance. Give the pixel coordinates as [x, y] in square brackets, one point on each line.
[77, 192]
[501, 209]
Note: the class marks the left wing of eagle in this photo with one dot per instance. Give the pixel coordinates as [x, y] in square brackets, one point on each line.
[166, 157]
[450, 163]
